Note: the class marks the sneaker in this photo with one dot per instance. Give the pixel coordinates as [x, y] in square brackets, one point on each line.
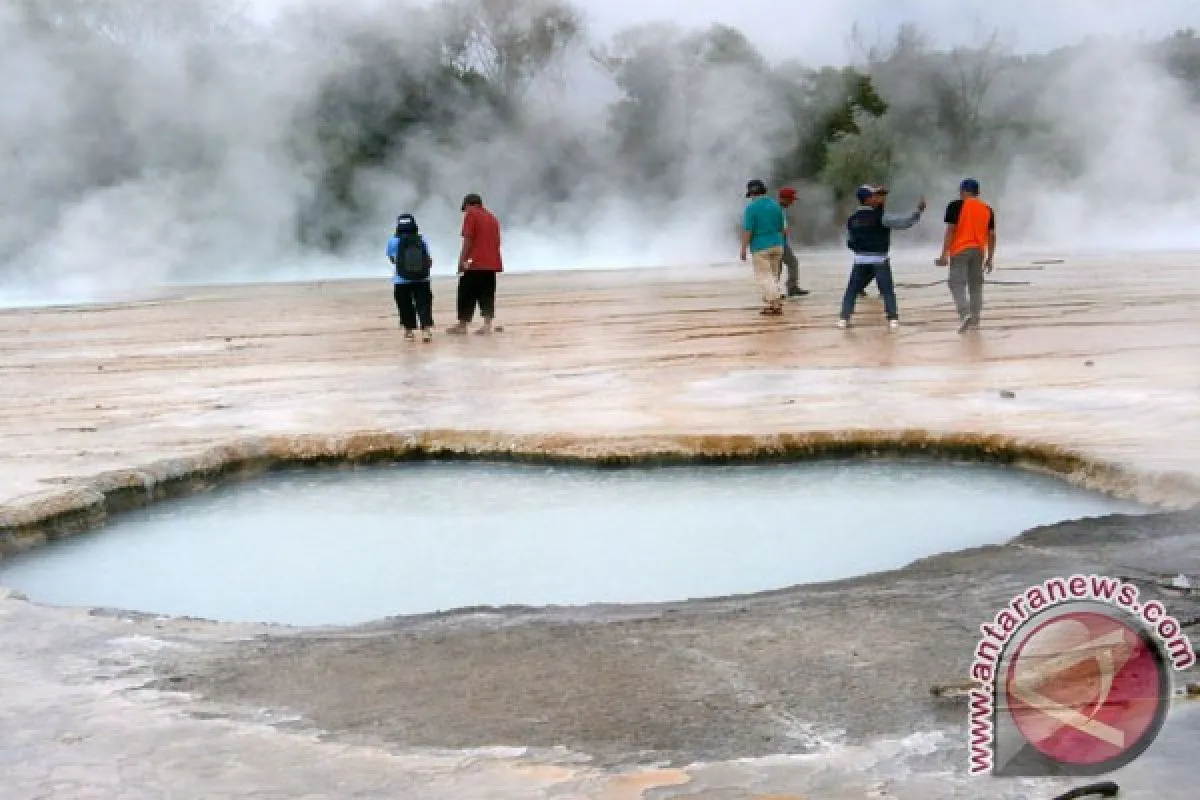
[410, 335]
[964, 324]
[797, 292]
[893, 324]
[843, 324]
[427, 336]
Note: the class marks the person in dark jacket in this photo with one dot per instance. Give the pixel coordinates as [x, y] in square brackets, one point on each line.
[869, 235]
[410, 283]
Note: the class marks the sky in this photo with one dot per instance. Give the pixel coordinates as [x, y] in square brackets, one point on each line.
[818, 31]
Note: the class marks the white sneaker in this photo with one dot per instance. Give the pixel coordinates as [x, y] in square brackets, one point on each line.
[894, 324]
[843, 324]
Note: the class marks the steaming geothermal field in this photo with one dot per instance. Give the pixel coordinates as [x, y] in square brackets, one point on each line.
[590, 674]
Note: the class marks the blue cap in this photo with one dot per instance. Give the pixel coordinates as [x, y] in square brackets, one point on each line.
[969, 185]
[866, 191]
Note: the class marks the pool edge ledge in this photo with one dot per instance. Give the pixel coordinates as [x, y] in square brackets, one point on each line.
[85, 503]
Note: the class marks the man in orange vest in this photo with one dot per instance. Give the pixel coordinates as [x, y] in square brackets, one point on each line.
[968, 250]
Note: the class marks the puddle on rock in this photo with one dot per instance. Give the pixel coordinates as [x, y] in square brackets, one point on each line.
[352, 545]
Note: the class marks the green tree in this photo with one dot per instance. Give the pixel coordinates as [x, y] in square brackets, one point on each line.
[670, 81]
[473, 60]
[866, 154]
[367, 114]
[825, 105]
[510, 43]
[1180, 55]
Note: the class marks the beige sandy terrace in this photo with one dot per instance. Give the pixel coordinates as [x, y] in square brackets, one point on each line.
[1101, 357]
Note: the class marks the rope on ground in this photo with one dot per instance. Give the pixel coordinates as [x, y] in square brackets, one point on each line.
[943, 280]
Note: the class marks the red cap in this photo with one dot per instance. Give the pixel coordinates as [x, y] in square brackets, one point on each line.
[787, 193]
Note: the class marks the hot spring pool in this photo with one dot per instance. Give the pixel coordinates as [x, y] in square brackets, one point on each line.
[352, 545]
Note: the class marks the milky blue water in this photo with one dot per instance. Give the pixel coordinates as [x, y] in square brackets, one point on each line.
[352, 545]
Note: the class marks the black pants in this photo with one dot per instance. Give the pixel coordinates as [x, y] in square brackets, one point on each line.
[476, 287]
[414, 301]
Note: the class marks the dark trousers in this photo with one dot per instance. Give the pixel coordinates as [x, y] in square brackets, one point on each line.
[793, 266]
[414, 301]
[860, 277]
[476, 287]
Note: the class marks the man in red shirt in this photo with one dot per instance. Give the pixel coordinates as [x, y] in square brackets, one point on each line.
[478, 264]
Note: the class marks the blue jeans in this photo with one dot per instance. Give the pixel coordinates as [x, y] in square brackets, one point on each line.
[860, 277]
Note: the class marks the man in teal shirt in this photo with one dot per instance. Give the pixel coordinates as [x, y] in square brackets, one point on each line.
[763, 231]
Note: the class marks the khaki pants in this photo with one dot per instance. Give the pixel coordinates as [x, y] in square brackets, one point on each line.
[768, 264]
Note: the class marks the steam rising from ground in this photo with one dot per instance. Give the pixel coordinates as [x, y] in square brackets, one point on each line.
[150, 142]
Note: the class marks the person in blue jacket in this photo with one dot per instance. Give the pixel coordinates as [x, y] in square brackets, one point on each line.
[410, 283]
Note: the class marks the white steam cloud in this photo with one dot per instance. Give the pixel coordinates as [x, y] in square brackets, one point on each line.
[149, 142]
